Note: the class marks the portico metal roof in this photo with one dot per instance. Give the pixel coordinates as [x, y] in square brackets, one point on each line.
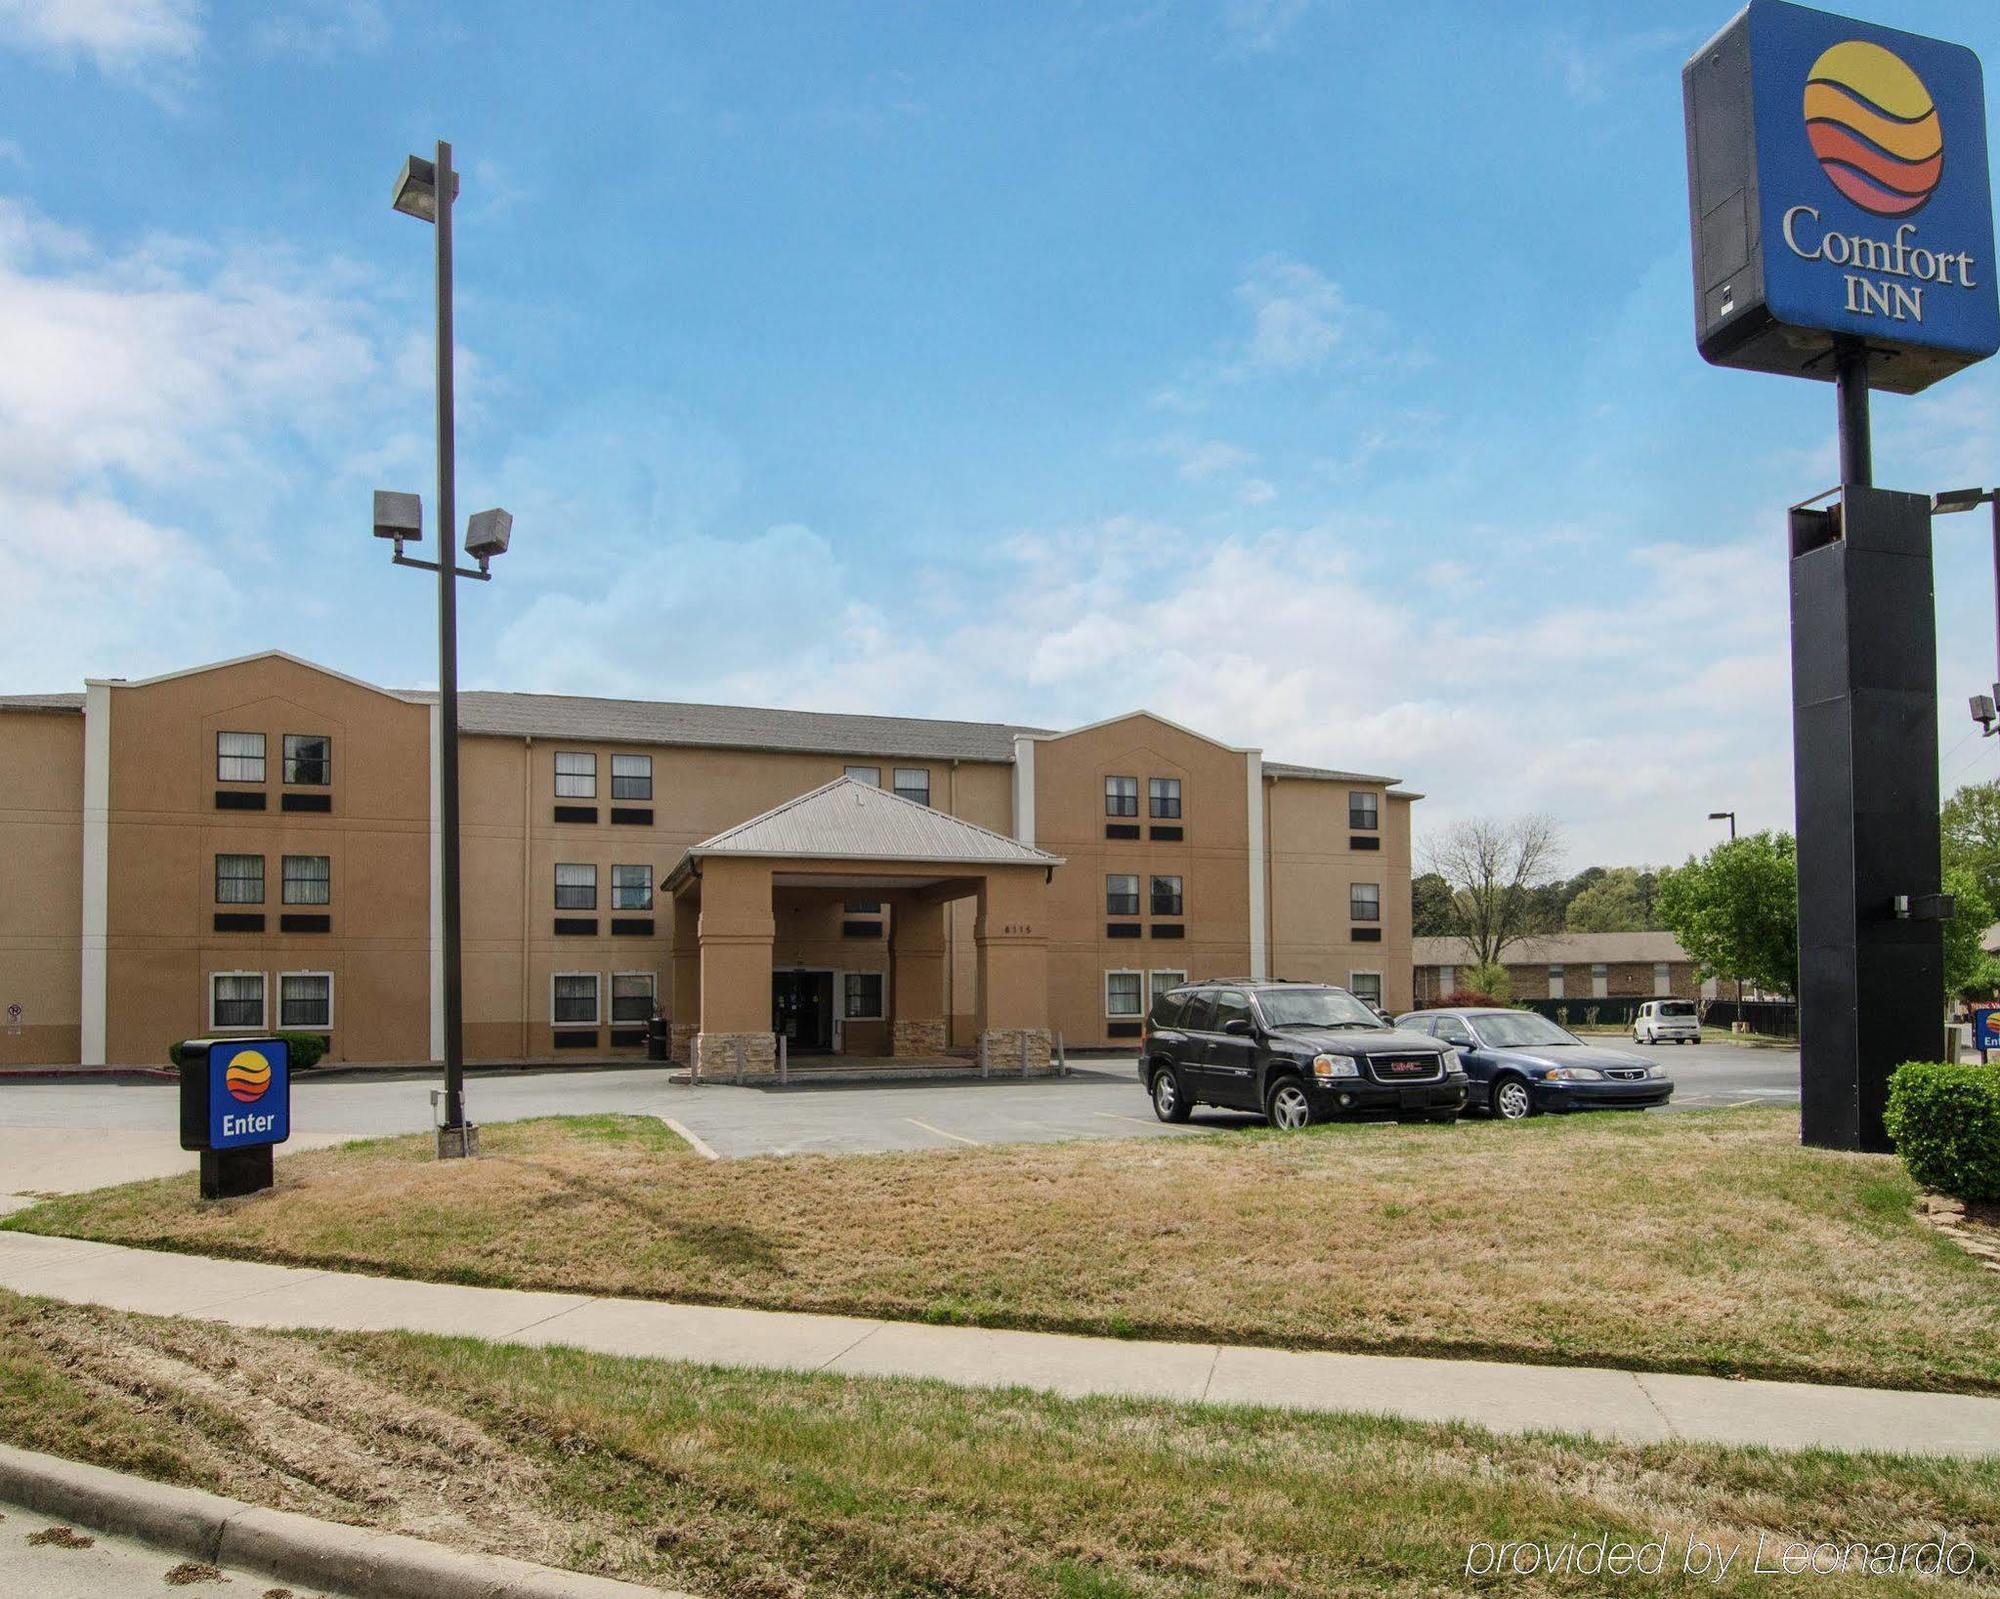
[851, 820]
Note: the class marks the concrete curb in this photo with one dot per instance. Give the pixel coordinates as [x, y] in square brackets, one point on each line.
[277, 1543]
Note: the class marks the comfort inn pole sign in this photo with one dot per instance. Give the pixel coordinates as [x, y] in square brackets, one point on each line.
[1838, 187]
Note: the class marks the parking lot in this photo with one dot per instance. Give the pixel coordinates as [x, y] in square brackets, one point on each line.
[129, 1127]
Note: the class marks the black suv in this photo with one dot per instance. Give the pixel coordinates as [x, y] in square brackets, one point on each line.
[1298, 1052]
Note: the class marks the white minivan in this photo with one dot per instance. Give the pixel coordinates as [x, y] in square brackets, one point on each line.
[1667, 1021]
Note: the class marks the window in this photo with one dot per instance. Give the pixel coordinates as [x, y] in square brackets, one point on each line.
[631, 777]
[1362, 814]
[632, 996]
[1600, 981]
[914, 783]
[1364, 901]
[1166, 896]
[1450, 1030]
[1555, 982]
[631, 890]
[239, 757]
[576, 775]
[1165, 981]
[239, 879]
[573, 999]
[305, 999]
[861, 996]
[1231, 1005]
[308, 880]
[1122, 994]
[1121, 894]
[1365, 986]
[871, 775]
[1163, 796]
[308, 758]
[1446, 974]
[1199, 1013]
[1663, 981]
[236, 999]
[576, 887]
[1121, 796]
[864, 907]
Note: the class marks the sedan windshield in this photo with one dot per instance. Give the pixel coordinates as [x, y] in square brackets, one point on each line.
[1520, 1029]
[1315, 1007]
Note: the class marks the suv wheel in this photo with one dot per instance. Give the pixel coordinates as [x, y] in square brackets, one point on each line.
[1512, 1100]
[1287, 1106]
[1169, 1103]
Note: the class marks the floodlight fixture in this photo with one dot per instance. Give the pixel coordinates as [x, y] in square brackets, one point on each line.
[399, 516]
[1948, 501]
[486, 534]
[416, 189]
[1983, 711]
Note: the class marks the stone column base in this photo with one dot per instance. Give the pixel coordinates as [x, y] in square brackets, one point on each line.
[923, 1039]
[715, 1056]
[1000, 1049]
[680, 1041]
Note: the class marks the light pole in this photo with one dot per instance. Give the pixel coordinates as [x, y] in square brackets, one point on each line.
[427, 190]
[1947, 503]
[1730, 818]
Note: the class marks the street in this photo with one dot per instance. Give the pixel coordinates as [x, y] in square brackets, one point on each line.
[128, 1129]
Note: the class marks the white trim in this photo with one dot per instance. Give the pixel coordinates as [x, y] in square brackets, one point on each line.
[437, 882]
[1145, 999]
[1024, 789]
[611, 995]
[245, 660]
[93, 955]
[1259, 955]
[598, 979]
[1128, 716]
[264, 1015]
[1163, 971]
[1380, 989]
[302, 1026]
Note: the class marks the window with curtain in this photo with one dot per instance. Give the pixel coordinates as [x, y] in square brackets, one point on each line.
[305, 999]
[1121, 894]
[862, 996]
[632, 777]
[1164, 796]
[239, 879]
[1365, 986]
[1122, 994]
[871, 775]
[914, 783]
[308, 758]
[239, 757]
[1364, 901]
[631, 889]
[632, 996]
[576, 887]
[236, 999]
[573, 1000]
[1166, 896]
[576, 775]
[308, 880]
[1363, 815]
[1121, 796]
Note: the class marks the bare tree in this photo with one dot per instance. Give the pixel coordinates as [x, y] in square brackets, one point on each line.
[1492, 865]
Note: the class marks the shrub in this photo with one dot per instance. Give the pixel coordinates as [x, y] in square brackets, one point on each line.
[1489, 977]
[1945, 1120]
[307, 1048]
[1469, 999]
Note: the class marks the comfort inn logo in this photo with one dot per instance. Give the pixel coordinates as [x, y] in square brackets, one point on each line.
[248, 1076]
[1875, 128]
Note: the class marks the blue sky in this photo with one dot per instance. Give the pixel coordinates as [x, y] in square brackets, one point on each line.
[1318, 374]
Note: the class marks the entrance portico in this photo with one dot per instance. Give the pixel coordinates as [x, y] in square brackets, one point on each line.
[762, 938]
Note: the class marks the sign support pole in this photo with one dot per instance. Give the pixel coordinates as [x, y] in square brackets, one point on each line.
[1857, 453]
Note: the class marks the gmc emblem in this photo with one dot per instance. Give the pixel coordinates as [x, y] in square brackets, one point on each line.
[1407, 1068]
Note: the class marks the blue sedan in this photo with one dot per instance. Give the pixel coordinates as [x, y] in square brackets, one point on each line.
[1519, 1063]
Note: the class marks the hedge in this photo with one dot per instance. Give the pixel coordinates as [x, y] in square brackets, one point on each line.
[306, 1050]
[1945, 1121]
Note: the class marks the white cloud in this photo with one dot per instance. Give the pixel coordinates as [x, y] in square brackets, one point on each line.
[1256, 26]
[1256, 491]
[1588, 67]
[1197, 460]
[116, 34]
[1298, 315]
[323, 29]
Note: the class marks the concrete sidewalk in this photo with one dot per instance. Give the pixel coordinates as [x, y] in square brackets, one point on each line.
[1639, 1407]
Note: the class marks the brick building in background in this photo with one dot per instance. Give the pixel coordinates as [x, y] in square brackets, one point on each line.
[1568, 966]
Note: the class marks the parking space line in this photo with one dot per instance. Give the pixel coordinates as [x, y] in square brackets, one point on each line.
[1120, 1116]
[927, 1127]
[698, 1145]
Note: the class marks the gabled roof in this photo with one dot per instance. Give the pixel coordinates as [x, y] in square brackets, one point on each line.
[1557, 949]
[851, 820]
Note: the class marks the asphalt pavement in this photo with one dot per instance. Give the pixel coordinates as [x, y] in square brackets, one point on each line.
[60, 1137]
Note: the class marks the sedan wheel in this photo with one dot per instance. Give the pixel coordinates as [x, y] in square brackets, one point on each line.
[1288, 1107]
[1168, 1104]
[1511, 1100]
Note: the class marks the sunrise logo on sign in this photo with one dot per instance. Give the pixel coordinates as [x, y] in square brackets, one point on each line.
[248, 1076]
[1874, 127]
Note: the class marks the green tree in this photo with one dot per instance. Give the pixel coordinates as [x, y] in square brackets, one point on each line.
[1967, 966]
[1970, 828]
[1736, 910]
[1430, 906]
[1618, 902]
[1490, 979]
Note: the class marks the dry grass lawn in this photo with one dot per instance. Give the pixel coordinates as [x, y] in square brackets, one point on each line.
[1705, 1242]
[796, 1487]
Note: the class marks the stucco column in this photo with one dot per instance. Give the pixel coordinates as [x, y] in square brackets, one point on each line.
[1011, 934]
[684, 979]
[735, 933]
[916, 978]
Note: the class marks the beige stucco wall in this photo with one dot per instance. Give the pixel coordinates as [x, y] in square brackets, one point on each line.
[41, 882]
[1313, 866]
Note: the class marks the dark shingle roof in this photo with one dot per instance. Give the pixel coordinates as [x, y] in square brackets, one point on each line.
[41, 702]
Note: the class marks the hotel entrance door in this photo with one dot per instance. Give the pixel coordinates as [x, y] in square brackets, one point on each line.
[802, 1010]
